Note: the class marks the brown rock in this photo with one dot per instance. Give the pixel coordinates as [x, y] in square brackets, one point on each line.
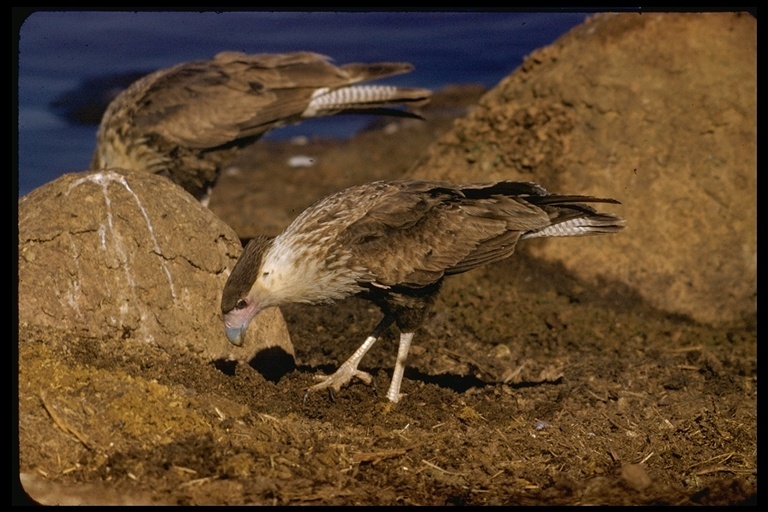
[128, 254]
[666, 125]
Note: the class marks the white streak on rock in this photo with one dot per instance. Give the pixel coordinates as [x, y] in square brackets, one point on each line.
[155, 245]
[104, 179]
[74, 295]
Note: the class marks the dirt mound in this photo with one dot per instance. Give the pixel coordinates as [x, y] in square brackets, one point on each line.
[129, 255]
[656, 110]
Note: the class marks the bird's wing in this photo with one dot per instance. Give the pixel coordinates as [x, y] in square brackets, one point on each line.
[205, 104]
[416, 233]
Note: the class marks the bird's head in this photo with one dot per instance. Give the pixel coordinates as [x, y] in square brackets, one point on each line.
[241, 300]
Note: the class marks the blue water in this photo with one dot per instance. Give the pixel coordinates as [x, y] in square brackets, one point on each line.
[58, 50]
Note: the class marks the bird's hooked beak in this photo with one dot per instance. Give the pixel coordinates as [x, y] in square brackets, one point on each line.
[236, 322]
[236, 335]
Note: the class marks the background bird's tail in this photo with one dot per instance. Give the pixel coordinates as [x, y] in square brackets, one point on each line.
[355, 97]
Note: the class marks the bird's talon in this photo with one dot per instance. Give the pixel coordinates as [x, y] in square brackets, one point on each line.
[336, 381]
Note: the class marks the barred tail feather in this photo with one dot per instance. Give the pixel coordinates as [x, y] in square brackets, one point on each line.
[362, 96]
[595, 224]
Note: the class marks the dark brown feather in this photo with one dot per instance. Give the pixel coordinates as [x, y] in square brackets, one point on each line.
[245, 272]
[418, 231]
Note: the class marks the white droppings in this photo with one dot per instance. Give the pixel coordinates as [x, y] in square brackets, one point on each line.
[232, 170]
[104, 179]
[103, 237]
[75, 292]
[391, 128]
[301, 161]
[155, 245]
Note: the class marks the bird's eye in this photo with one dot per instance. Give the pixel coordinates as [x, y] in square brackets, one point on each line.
[241, 304]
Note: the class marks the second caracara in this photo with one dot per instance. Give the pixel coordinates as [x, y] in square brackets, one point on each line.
[393, 243]
[186, 121]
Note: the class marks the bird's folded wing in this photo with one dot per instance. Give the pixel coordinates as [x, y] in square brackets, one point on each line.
[416, 236]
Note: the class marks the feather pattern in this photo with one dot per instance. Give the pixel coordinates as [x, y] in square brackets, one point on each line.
[186, 121]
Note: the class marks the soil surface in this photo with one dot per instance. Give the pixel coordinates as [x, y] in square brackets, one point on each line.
[526, 386]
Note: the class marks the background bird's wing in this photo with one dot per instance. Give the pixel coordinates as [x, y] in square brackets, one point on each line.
[205, 104]
[416, 233]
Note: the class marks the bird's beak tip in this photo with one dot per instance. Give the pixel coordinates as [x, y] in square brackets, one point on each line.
[235, 335]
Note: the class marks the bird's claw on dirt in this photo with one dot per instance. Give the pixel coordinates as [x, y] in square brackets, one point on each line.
[337, 380]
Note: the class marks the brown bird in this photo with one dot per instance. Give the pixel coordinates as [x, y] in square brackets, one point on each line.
[186, 121]
[393, 243]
